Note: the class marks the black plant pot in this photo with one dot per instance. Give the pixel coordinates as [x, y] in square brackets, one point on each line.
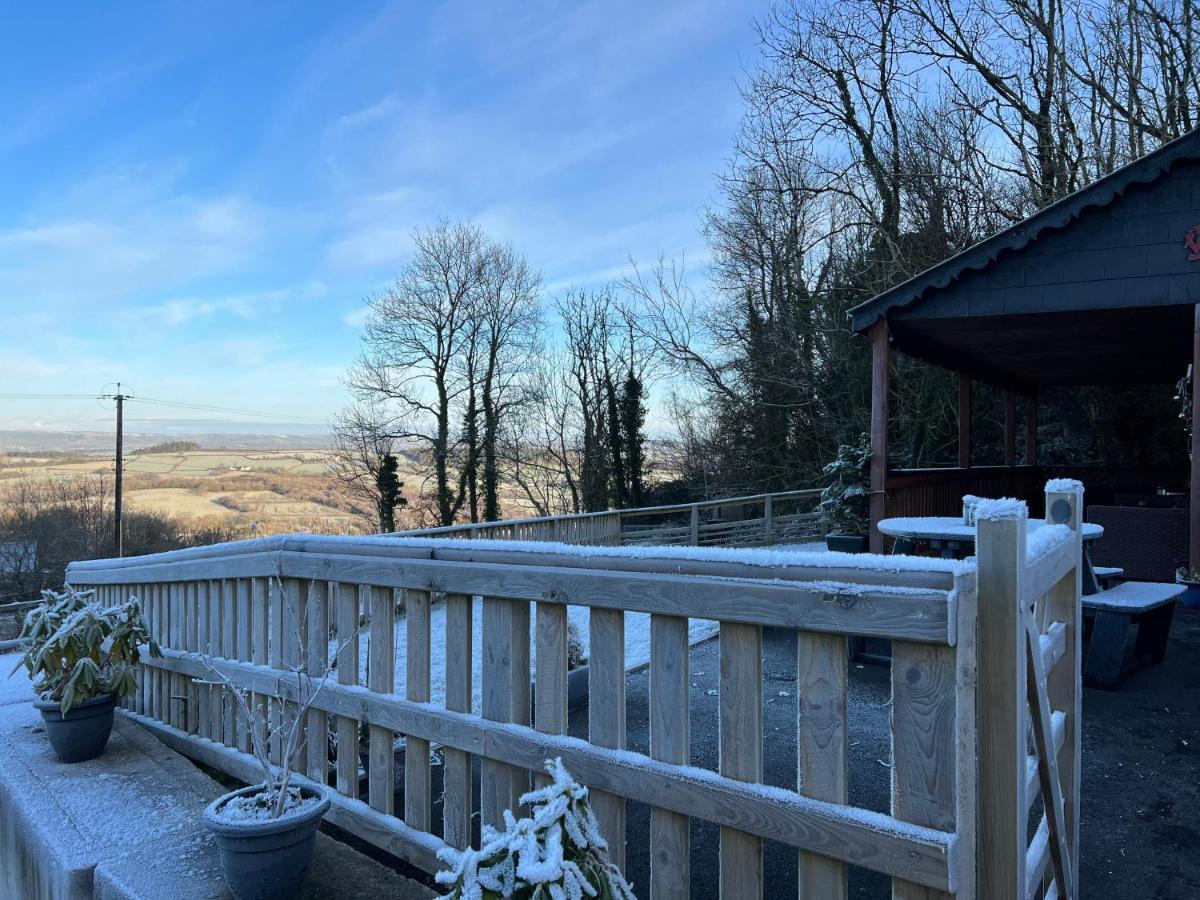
[81, 733]
[847, 543]
[266, 860]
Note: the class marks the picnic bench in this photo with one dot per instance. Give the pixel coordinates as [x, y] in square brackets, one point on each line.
[1149, 607]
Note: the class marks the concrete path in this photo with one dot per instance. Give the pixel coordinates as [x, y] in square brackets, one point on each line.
[127, 826]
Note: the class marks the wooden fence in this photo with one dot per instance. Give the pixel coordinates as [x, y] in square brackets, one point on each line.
[238, 603]
[756, 520]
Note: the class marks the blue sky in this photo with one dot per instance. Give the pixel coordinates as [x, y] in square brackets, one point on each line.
[196, 197]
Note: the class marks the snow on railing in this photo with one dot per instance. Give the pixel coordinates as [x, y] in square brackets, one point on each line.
[479, 622]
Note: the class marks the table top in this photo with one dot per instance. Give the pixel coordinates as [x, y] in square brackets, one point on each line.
[951, 528]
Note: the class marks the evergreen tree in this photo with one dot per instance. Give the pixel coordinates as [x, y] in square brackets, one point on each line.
[633, 437]
[387, 480]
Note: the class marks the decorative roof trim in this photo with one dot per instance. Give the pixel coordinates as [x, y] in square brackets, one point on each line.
[1057, 215]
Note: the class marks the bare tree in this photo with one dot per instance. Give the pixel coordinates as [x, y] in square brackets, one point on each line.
[413, 343]
[363, 438]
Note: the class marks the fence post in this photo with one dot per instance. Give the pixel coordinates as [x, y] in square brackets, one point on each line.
[695, 536]
[768, 520]
[1002, 701]
[1064, 506]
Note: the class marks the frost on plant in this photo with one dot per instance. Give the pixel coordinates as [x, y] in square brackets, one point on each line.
[576, 652]
[844, 498]
[292, 730]
[557, 853]
[78, 649]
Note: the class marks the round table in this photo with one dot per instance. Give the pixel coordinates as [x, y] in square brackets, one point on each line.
[950, 529]
[950, 537]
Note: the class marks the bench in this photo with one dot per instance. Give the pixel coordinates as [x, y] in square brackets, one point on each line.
[1106, 575]
[1149, 606]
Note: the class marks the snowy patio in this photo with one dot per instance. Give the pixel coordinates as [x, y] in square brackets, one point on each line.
[127, 826]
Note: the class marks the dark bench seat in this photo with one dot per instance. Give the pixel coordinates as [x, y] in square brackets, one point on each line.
[1147, 605]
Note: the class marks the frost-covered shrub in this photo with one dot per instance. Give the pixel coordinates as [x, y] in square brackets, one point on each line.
[844, 498]
[576, 655]
[78, 649]
[276, 795]
[557, 853]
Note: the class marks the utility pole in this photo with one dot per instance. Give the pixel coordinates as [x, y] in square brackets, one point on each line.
[119, 468]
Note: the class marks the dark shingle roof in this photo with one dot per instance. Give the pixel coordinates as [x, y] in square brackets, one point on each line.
[1058, 215]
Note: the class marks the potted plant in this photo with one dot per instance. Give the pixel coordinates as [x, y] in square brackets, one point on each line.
[843, 505]
[557, 852]
[82, 656]
[1191, 578]
[266, 832]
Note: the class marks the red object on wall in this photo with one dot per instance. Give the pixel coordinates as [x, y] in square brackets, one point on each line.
[1191, 240]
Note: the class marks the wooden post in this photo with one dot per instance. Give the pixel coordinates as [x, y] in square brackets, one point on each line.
[964, 420]
[880, 359]
[1064, 684]
[417, 795]
[347, 673]
[768, 520]
[740, 724]
[1010, 428]
[381, 677]
[1031, 426]
[457, 799]
[1001, 692]
[822, 757]
[1194, 536]
[316, 661]
[606, 715]
[670, 872]
[694, 538]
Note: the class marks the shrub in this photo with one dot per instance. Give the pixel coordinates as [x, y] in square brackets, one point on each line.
[556, 853]
[843, 505]
[79, 650]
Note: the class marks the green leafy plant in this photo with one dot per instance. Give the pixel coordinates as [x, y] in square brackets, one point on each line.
[844, 498]
[558, 852]
[78, 649]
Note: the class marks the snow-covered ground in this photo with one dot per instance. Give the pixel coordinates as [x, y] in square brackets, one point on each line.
[637, 645]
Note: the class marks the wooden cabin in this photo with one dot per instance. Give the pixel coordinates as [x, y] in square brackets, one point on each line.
[1100, 288]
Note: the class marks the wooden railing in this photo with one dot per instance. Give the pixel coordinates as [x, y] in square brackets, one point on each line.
[756, 520]
[238, 603]
[939, 492]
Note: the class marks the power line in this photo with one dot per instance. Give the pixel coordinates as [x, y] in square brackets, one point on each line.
[179, 404]
[47, 396]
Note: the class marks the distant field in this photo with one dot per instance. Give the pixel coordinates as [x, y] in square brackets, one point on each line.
[271, 490]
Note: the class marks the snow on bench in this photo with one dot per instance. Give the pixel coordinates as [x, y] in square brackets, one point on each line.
[1134, 596]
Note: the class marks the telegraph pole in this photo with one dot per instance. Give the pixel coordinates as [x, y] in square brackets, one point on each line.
[120, 466]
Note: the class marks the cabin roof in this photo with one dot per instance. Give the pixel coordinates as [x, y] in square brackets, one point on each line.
[1097, 288]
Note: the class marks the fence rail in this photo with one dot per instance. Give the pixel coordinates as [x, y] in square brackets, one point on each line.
[755, 520]
[261, 610]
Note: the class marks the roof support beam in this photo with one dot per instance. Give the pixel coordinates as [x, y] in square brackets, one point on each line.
[1010, 428]
[880, 387]
[1031, 426]
[1194, 536]
[964, 420]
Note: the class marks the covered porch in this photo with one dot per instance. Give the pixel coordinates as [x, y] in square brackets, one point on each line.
[1099, 289]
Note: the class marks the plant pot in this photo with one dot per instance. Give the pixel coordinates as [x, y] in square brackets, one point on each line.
[846, 543]
[1191, 597]
[82, 732]
[266, 860]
